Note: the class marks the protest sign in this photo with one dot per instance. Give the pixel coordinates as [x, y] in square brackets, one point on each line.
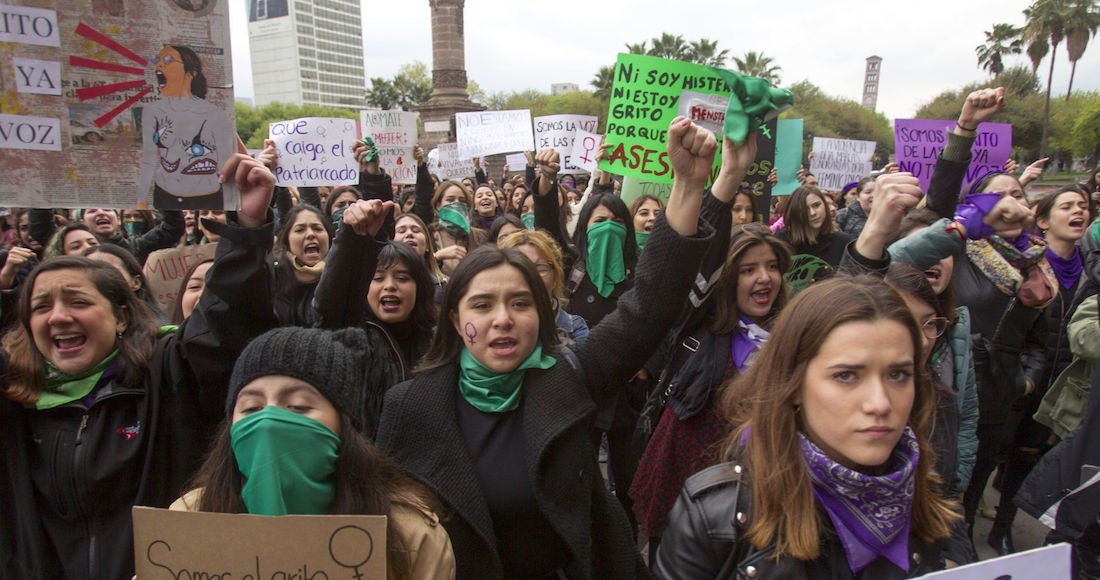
[394, 134]
[633, 188]
[178, 544]
[515, 161]
[585, 147]
[788, 155]
[164, 271]
[1048, 563]
[918, 143]
[95, 116]
[838, 162]
[452, 165]
[707, 111]
[487, 132]
[645, 98]
[558, 132]
[757, 177]
[315, 151]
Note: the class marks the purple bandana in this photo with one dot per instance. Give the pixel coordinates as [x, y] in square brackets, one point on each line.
[1068, 270]
[747, 341]
[871, 513]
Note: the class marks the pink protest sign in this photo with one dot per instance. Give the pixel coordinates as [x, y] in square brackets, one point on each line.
[918, 143]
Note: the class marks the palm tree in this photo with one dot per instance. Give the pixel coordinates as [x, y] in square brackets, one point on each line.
[1003, 40]
[705, 52]
[1045, 23]
[1082, 20]
[668, 46]
[604, 79]
[757, 65]
[637, 48]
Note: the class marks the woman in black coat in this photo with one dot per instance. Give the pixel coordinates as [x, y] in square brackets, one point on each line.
[509, 452]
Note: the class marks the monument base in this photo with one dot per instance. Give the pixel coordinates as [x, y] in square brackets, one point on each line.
[438, 117]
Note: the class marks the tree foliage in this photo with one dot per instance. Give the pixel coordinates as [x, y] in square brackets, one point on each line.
[1004, 40]
[756, 64]
[827, 116]
[411, 86]
[253, 122]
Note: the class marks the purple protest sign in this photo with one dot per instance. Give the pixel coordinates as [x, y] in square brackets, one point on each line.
[918, 143]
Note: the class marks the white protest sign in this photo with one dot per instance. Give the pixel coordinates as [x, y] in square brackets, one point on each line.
[1048, 563]
[40, 77]
[394, 135]
[29, 26]
[707, 111]
[487, 132]
[515, 161]
[558, 132]
[451, 164]
[585, 147]
[26, 132]
[838, 162]
[315, 151]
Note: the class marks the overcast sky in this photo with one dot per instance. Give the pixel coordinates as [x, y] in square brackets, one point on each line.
[927, 46]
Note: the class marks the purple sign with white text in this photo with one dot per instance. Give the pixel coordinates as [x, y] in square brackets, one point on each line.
[918, 143]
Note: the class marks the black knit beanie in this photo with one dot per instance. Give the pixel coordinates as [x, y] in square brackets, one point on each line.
[330, 361]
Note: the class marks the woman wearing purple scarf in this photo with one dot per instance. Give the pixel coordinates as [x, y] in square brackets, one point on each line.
[831, 474]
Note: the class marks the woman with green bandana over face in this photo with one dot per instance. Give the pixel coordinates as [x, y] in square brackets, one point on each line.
[103, 409]
[450, 225]
[292, 445]
[644, 209]
[497, 421]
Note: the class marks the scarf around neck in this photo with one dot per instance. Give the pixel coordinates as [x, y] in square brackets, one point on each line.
[604, 262]
[746, 343]
[871, 513]
[62, 389]
[491, 392]
[306, 274]
[1067, 270]
[1003, 261]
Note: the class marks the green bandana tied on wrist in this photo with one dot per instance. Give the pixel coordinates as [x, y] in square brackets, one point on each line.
[288, 462]
[528, 220]
[753, 102]
[640, 238]
[455, 218]
[62, 389]
[492, 392]
[604, 262]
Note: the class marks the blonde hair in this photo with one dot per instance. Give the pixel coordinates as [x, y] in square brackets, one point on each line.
[544, 243]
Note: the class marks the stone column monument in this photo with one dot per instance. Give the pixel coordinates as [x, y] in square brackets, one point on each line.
[449, 94]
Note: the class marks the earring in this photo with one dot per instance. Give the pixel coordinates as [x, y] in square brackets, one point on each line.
[118, 335]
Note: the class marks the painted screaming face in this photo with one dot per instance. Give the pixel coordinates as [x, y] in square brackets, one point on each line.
[172, 80]
[186, 150]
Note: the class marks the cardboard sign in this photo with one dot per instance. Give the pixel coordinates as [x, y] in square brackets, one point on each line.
[838, 162]
[315, 151]
[174, 545]
[788, 155]
[633, 188]
[918, 143]
[486, 132]
[164, 271]
[585, 147]
[559, 132]
[1047, 563]
[516, 161]
[394, 134]
[452, 165]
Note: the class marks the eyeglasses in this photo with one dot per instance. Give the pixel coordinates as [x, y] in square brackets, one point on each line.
[934, 327]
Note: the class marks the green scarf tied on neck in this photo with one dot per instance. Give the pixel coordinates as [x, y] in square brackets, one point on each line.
[455, 218]
[604, 262]
[641, 238]
[528, 220]
[62, 389]
[753, 102]
[288, 462]
[492, 392]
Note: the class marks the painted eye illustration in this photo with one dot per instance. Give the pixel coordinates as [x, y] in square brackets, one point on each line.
[197, 149]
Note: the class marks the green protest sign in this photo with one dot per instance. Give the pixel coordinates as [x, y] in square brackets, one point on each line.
[633, 188]
[788, 155]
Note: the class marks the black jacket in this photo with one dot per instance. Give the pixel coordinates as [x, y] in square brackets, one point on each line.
[166, 234]
[420, 430]
[829, 247]
[72, 473]
[704, 539]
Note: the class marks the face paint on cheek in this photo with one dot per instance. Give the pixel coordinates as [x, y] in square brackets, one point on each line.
[471, 333]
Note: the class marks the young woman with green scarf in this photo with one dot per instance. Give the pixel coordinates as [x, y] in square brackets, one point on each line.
[103, 409]
[497, 422]
[446, 210]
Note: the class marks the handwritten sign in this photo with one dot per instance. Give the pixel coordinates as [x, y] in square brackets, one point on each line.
[486, 132]
[164, 271]
[559, 132]
[585, 147]
[918, 143]
[452, 165]
[315, 151]
[1048, 563]
[516, 161]
[788, 155]
[633, 188]
[394, 134]
[838, 162]
[174, 545]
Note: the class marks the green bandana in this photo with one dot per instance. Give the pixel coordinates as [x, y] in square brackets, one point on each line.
[604, 261]
[492, 392]
[372, 151]
[455, 218]
[1096, 232]
[287, 460]
[62, 389]
[753, 102]
[640, 238]
[528, 220]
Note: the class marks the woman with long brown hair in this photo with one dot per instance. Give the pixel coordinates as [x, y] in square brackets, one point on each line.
[810, 227]
[831, 472]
